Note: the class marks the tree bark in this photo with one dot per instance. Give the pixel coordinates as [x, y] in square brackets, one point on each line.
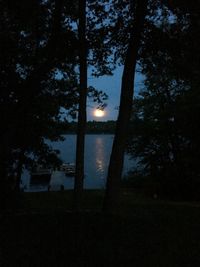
[111, 199]
[80, 143]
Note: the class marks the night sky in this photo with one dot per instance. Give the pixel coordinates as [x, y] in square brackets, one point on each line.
[110, 85]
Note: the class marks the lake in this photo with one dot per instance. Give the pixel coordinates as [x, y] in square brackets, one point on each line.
[97, 154]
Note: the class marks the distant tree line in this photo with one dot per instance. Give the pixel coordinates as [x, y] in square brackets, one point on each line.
[92, 127]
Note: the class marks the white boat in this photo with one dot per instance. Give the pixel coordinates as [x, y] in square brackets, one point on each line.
[68, 168]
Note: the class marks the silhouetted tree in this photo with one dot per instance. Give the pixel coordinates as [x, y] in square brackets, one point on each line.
[92, 52]
[32, 94]
[80, 144]
[127, 89]
[165, 133]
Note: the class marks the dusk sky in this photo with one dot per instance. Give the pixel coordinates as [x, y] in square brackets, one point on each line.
[112, 86]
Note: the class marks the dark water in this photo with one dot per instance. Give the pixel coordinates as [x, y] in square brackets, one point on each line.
[97, 154]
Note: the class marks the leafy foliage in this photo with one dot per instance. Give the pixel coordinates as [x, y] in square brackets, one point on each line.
[37, 78]
[165, 132]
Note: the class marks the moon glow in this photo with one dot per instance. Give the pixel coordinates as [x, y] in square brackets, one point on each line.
[99, 113]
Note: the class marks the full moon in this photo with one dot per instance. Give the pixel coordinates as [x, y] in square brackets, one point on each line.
[99, 113]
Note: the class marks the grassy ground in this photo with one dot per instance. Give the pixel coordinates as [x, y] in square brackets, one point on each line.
[146, 232]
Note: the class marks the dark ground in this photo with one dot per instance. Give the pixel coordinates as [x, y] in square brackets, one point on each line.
[145, 232]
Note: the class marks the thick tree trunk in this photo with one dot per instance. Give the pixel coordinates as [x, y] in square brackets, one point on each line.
[80, 143]
[111, 199]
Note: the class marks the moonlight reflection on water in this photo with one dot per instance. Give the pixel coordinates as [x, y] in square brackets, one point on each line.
[97, 154]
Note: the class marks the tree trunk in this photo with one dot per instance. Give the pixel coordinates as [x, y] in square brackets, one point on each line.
[111, 199]
[80, 143]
